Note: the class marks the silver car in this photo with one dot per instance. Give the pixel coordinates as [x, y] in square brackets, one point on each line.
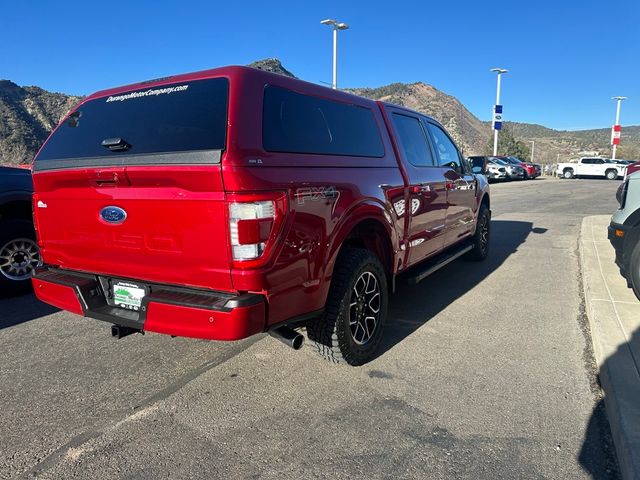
[514, 172]
[496, 172]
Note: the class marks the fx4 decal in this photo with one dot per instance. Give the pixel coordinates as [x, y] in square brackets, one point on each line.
[315, 194]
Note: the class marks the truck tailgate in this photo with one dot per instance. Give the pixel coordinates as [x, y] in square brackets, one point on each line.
[174, 231]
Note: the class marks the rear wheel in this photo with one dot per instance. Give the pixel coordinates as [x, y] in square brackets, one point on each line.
[19, 255]
[611, 174]
[351, 328]
[568, 173]
[634, 270]
[480, 239]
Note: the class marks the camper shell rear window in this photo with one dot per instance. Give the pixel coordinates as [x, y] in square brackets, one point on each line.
[181, 117]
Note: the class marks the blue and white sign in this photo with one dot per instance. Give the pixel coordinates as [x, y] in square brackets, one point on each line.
[496, 122]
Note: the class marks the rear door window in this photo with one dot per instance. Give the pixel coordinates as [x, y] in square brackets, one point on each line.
[297, 123]
[413, 140]
[186, 116]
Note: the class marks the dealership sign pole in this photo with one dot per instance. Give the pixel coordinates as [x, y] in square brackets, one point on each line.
[615, 130]
[496, 119]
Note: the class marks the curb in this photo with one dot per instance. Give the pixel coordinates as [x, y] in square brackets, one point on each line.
[618, 371]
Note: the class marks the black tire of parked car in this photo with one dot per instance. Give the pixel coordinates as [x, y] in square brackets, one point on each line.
[481, 237]
[634, 270]
[18, 243]
[568, 173]
[345, 333]
[611, 174]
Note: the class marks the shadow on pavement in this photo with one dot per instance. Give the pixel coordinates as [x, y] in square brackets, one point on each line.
[450, 283]
[17, 310]
[599, 426]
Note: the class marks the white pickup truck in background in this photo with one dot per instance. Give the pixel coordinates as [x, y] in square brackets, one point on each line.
[591, 167]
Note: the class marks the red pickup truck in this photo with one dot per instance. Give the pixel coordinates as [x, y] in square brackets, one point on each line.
[233, 201]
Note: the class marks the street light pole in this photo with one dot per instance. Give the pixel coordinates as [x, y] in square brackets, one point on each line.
[533, 149]
[617, 125]
[336, 26]
[334, 81]
[499, 71]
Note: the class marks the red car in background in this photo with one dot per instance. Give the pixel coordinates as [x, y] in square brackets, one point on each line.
[532, 170]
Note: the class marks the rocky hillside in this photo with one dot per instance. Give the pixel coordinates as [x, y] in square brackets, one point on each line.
[27, 115]
[469, 132]
[552, 145]
[272, 65]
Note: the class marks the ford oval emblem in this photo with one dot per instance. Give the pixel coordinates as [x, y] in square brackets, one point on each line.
[113, 215]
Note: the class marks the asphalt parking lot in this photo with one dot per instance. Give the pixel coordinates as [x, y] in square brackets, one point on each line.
[486, 372]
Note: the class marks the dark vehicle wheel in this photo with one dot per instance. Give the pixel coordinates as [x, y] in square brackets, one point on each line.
[634, 270]
[568, 173]
[19, 255]
[611, 174]
[351, 328]
[480, 239]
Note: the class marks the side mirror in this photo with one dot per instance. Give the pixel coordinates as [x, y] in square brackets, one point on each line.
[479, 165]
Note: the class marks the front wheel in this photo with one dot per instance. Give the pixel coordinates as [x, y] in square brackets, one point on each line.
[480, 239]
[611, 174]
[351, 328]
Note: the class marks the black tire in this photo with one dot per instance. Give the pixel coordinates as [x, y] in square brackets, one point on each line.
[634, 270]
[19, 255]
[334, 335]
[568, 173]
[481, 237]
[611, 174]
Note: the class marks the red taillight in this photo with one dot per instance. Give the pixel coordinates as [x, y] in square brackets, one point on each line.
[35, 203]
[254, 231]
[255, 221]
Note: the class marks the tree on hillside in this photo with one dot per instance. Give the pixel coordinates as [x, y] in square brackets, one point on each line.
[628, 152]
[508, 145]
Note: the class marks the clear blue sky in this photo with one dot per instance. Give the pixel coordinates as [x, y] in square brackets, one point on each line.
[566, 58]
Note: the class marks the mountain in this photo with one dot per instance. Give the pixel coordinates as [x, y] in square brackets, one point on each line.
[552, 145]
[465, 128]
[272, 65]
[28, 114]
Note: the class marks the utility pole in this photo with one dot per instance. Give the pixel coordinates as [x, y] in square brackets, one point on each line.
[615, 131]
[336, 26]
[496, 122]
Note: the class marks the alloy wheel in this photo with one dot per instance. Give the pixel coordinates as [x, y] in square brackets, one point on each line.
[364, 308]
[484, 233]
[19, 258]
